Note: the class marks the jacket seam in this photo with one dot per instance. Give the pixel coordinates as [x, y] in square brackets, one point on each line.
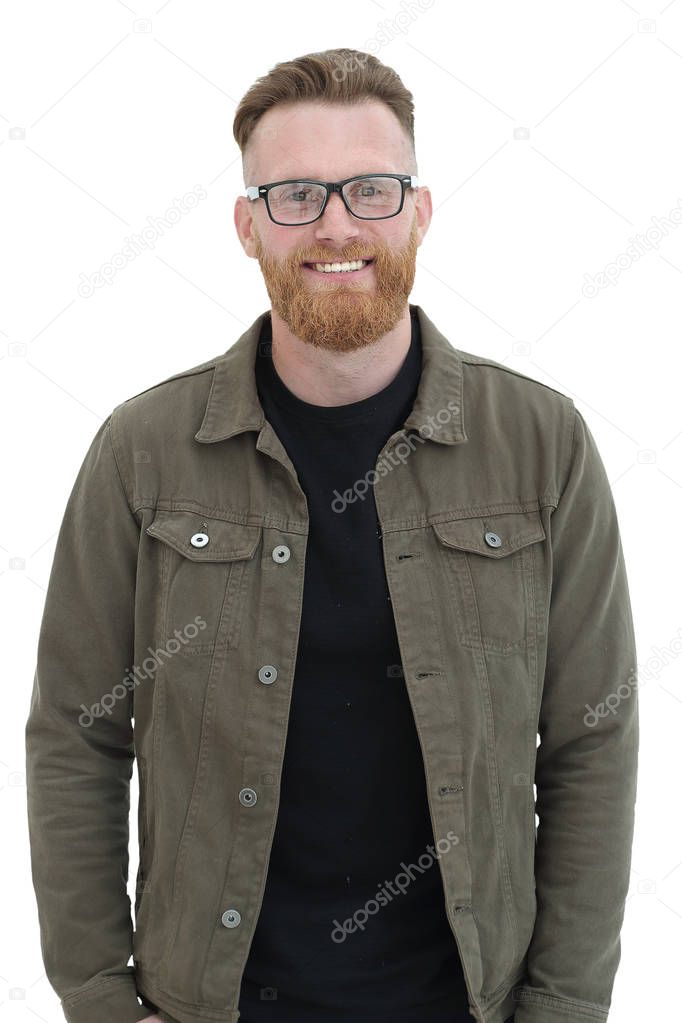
[110, 434]
[530, 994]
[220, 512]
[91, 990]
[570, 453]
[469, 359]
[148, 980]
[524, 506]
[501, 851]
[203, 367]
[547, 499]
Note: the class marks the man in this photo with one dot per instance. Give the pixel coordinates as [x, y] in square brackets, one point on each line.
[370, 569]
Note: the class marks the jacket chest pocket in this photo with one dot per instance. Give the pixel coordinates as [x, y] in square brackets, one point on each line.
[493, 566]
[204, 565]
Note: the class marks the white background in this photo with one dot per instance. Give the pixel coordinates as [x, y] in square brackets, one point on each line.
[549, 134]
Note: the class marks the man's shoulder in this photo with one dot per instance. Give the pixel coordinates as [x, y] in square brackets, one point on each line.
[152, 425]
[518, 414]
[181, 398]
[482, 370]
[180, 395]
[159, 392]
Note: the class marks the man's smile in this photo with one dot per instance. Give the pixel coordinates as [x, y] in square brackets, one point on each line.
[341, 270]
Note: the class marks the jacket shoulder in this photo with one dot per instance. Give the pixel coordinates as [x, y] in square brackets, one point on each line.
[145, 426]
[158, 394]
[159, 408]
[501, 375]
[526, 422]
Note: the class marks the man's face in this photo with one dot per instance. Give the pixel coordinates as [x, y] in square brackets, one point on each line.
[307, 140]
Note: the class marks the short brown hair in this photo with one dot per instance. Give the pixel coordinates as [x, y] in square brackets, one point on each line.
[330, 76]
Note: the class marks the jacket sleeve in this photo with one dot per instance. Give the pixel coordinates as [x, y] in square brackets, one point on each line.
[586, 769]
[79, 749]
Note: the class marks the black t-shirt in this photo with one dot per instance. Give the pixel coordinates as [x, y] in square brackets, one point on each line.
[353, 814]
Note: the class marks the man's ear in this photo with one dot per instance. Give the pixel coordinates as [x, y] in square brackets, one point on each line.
[423, 211]
[243, 222]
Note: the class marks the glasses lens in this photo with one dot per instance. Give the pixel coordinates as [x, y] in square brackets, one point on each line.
[374, 198]
[296, 201]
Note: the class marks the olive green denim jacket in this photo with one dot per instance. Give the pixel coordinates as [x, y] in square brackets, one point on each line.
[170, 633]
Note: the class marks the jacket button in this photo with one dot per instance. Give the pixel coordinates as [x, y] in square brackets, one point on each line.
[267, 674]
[492, 539]
[199, 539]
[231, 918]
[281, 553]
[247, 797]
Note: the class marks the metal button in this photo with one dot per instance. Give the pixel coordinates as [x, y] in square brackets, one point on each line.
[231, 918]
[247, 797]
[281, 553]
[492, 539]
[199, 539]
[267, 674]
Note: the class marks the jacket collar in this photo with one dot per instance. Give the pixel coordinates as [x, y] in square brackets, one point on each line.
[233, 405]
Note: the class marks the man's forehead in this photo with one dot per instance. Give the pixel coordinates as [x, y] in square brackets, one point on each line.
[301, 172]
[370, 155]
[282, 148]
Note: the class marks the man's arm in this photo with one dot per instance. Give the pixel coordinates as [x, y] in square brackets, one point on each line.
[78, 764]
[587, 759]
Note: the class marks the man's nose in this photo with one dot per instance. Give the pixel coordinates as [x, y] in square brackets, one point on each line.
[336, 222]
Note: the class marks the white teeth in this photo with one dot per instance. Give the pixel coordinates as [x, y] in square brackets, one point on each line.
[330, 268]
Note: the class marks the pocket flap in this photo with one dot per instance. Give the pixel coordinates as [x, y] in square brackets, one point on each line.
[513, 530]
[218, 539]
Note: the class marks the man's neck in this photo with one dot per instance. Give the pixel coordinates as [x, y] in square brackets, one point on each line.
[324, 377]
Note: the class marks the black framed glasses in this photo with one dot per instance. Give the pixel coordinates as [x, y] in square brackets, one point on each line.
[295, 202]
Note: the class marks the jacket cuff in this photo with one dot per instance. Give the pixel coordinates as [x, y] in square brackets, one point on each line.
[108, 1000]
[534, 1005]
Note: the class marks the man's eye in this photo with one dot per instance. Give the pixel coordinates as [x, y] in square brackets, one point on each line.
[366, 192]
[301, 196]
